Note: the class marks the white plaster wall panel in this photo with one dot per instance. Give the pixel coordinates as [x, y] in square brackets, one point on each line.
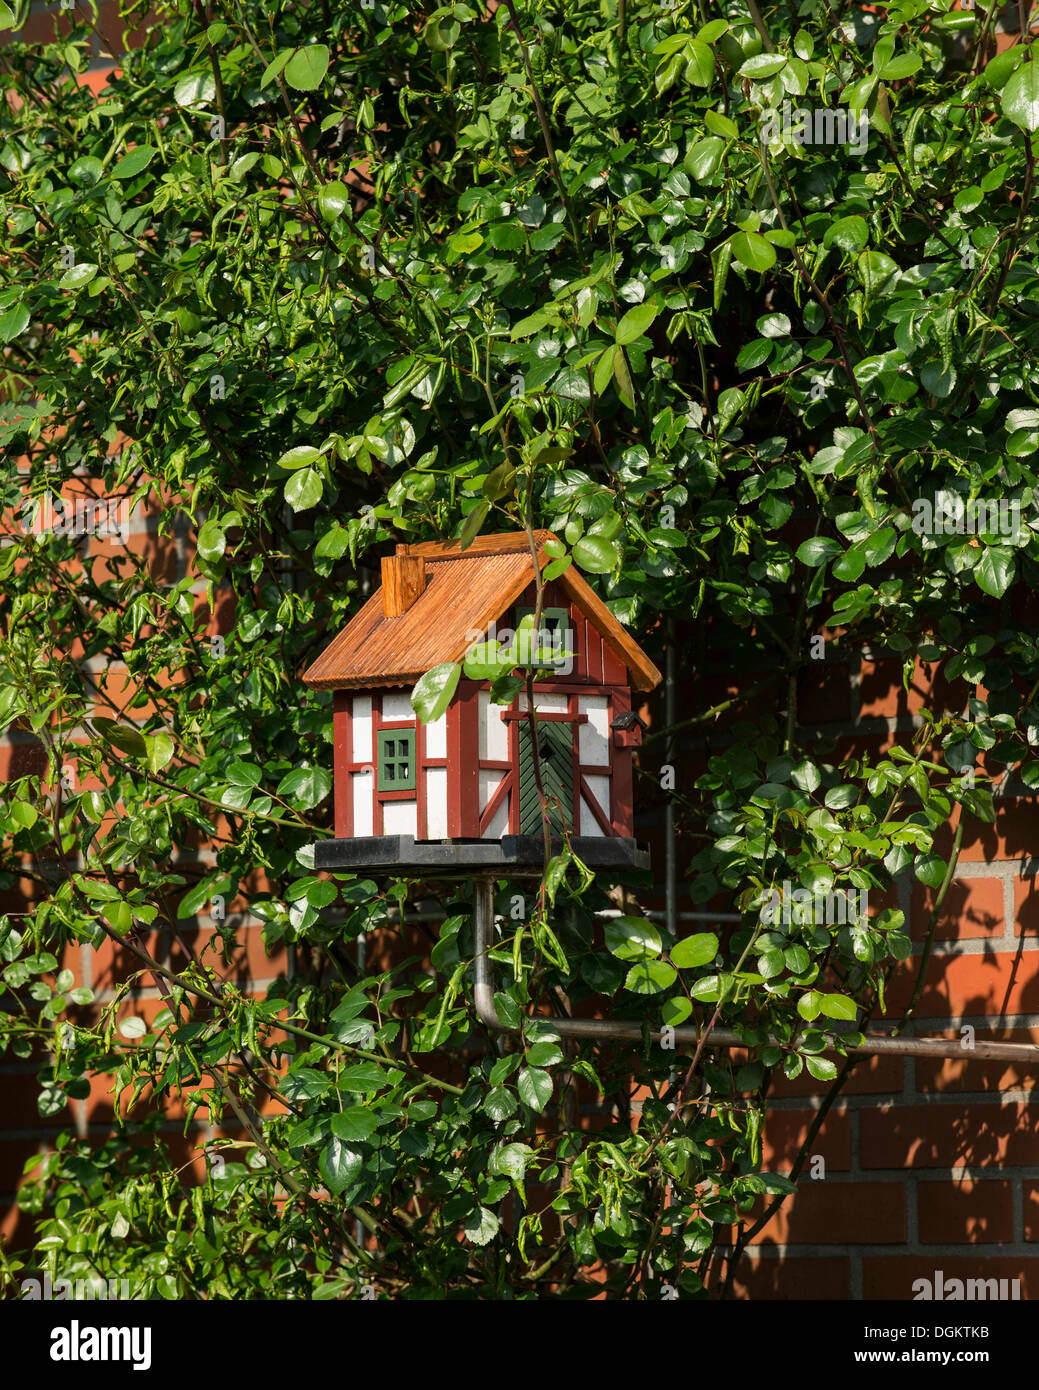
[436, 803]
[363, 788]
[548, 704]
[594, 735]
[494, 732]
[436, 738]
[599, 788]
[399, 818]
[499, 823]
[397, 708]
[490, 781]
[361, 724]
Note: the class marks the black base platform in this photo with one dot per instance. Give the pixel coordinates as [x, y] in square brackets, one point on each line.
[511, 855]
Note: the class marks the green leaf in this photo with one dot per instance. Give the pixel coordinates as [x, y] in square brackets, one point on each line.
[838, 1006]
[307, 67]
[901, 66]
[544, 1054]
[274, 67]
[87, 170]
[481, 1226]
[511, 1160]
[299, 457]
[1019, 98]
[997, 71]
[930, 869]
[650, 977]
[160, 750]
[635, 322]
[354, 1125]
[500, 1104]
[434, 690]
[362, 1077]
[305, 787]
[995, 570]
[849, 233]
[339, 1164]
[752, 251]
[817, 551]
[675, 1011]
[13, 321]
[333, 200]
[473, 524]
[809, 1005]
[763, 65]
[196, 89]
[304, 489]
[121, 736]
[631, 938]
[721, 125]
[77, 276]
[699, 70]
[705, 157]
[694, 951]
[211, 540]
[822, 1068]
[133, 163]
[622, 376]
[535, 1087]
[597, 555]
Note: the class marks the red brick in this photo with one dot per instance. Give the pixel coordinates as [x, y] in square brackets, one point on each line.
[883, 695]
[965, 1212]
[945, 1074]
[973, 907]
[785, 1132]
[1030, 1191]
[20, 1090]
[1026, 907]
[17, 1229]
[824, 693]
[988, 983]
[947, 1136]
[829, 1213]
[792, 1279]
[13, 1156]
[1011, 837]
[870, 1076]
[22, 760]
[249, 962]
[893, 1276]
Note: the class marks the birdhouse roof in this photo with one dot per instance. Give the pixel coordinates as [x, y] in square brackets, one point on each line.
[464, 592]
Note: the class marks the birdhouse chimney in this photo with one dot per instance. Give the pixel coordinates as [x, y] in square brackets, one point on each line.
[403, 579]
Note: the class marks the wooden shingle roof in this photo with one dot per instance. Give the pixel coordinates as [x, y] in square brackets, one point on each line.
[464, 593]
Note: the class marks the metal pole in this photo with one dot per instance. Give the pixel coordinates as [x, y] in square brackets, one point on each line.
[483, 930]
[670, 873]
[873, 1044]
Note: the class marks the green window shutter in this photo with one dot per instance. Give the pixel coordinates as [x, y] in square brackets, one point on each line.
[552, 620]
[555, 743]
[396, 760]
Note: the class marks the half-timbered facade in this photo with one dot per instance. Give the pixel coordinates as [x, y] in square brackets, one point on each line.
[469, 775]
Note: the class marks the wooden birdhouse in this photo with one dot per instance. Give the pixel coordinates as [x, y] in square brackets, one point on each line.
[467, 778]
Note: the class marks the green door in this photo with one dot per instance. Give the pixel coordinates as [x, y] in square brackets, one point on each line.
[555, 741]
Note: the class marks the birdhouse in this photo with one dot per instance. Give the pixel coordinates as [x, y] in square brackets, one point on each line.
[461, 790]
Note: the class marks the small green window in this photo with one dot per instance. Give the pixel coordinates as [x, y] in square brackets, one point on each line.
[556, 633]
[396, 760]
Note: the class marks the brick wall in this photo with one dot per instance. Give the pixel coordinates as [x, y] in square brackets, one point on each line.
[926, 1165]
